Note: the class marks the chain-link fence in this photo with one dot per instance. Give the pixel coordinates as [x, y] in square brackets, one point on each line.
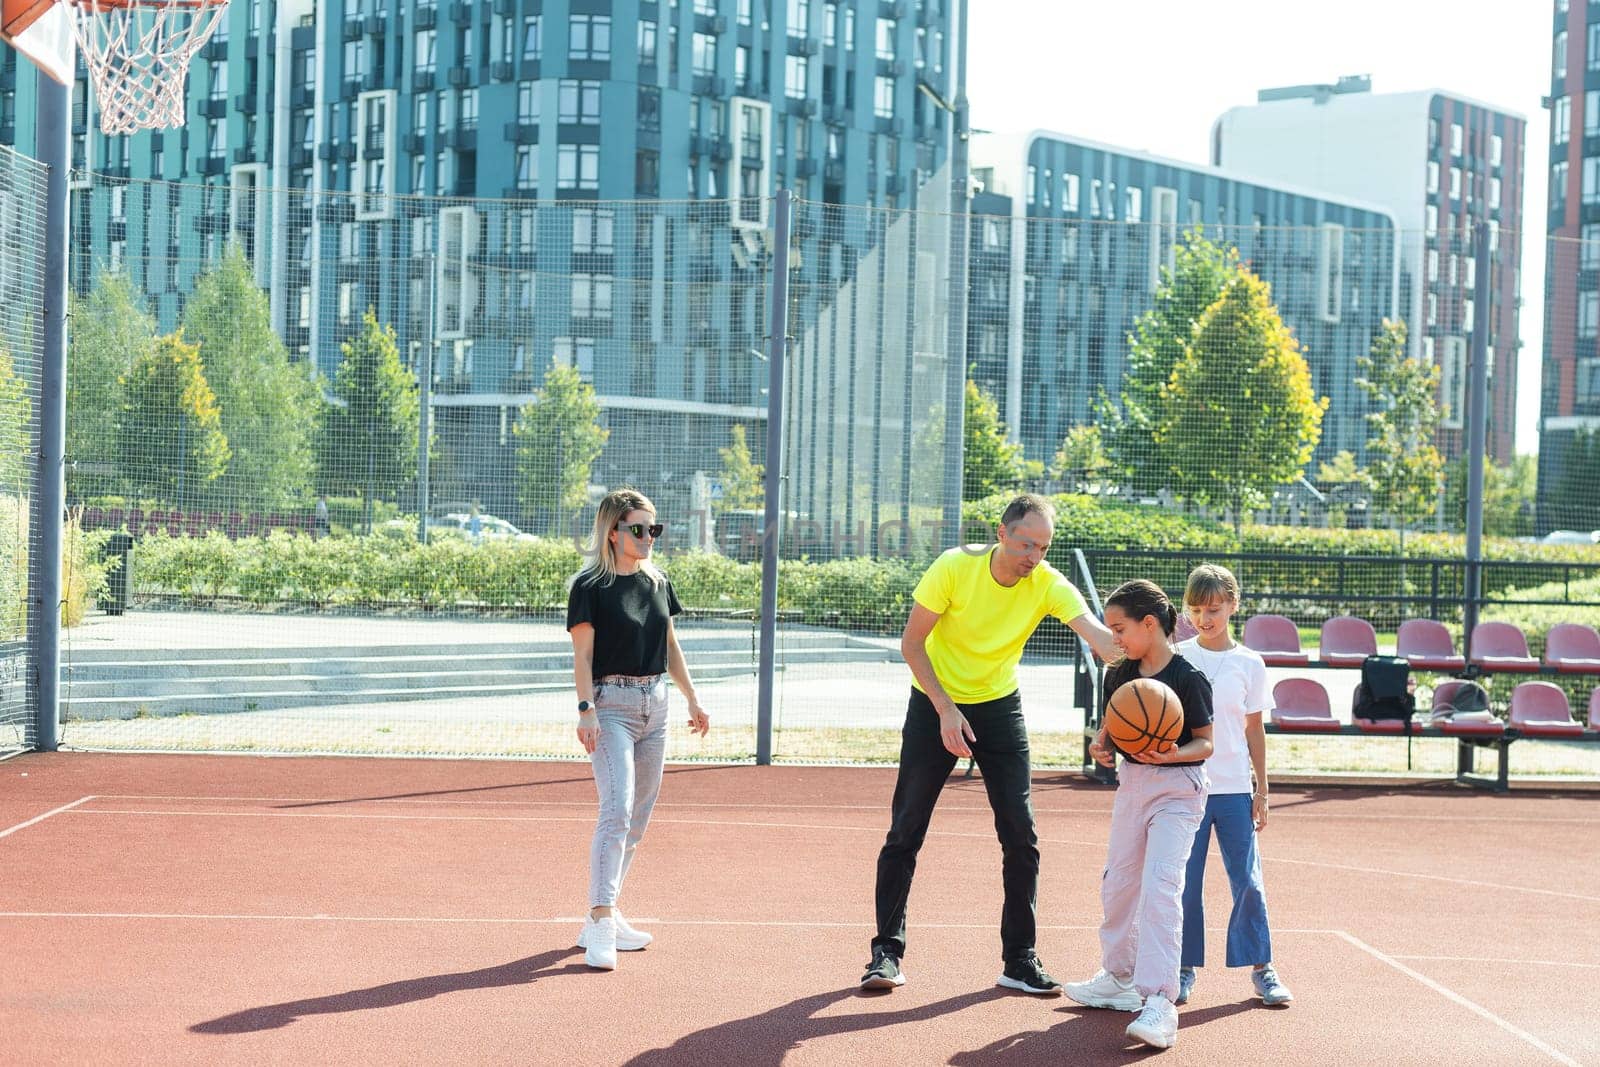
[252, 372]
[1568, 472]
[22, 201]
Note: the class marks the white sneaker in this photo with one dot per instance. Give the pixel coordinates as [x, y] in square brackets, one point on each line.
[1106, 990]
[629, 939]
[1157, 1024]
[601, 951]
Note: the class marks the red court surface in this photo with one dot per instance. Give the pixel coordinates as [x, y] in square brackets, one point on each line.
[218, 910]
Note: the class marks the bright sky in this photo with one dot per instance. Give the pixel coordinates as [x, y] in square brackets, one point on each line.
[1154, 75]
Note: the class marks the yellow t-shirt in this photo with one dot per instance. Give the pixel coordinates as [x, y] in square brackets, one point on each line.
[977, 642]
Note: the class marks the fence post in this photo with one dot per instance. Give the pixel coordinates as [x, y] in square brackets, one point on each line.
[777, 347]
[44, 579]
[955, 393]
[1477, 428]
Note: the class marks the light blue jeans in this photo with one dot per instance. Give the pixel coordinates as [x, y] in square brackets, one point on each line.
[627, 760]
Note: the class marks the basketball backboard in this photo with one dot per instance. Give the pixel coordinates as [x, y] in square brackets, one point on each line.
[42, 31]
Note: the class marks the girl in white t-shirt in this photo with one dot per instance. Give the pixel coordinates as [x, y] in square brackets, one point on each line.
[1237, 804]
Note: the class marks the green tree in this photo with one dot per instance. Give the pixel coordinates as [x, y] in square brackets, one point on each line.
[16, 416]
[111, 330]
[559, 437]
[1405, 470]
[269, 405]
[368, 442]
[1578, 488]
[991, 463]
[1341, 470]
[1081, 461]
[170, 435]
[1238, 417]
[1201, 270]
[1508, 494]
[743, 485]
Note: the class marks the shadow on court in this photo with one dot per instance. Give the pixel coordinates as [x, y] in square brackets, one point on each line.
[764, 1040]
[1091, 1035]
[391, 994]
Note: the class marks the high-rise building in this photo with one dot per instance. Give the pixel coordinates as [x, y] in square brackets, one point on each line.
[1088, 238]
[1440, 163]
[1569, 400]
[462, 168]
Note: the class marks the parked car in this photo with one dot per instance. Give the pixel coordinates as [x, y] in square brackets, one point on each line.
[1571, 537]
[490, 527]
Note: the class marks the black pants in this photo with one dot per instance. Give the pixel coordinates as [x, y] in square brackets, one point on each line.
[925, 764]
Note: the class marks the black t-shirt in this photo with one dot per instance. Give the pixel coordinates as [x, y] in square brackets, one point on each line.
[1194, 693]
[629, 617]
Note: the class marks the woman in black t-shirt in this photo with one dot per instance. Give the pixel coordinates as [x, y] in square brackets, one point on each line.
[1161, 797]
[619, 613]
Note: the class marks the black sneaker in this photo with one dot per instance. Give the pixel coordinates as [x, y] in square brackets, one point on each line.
[1028, 975]
[884, 972]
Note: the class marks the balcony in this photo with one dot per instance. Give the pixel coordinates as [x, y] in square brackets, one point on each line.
[303, 96]
[375, 142]
[522, 132]
[805, 168]
[461, 13]
[710, 85]
[502, 71]
[347, 151]
[245, 153]
[372, 80]
[215, 49]
[425, 18]
[212, 222]
[422, 80]
[521, 192]
[805, 108]
[413, 143]
[301, 156]
[211, 166]
[245, 103]
[352, 29]
[376, 25]
[804, 46]
[460, 77]
[462, 138]
[505, 7]
[833, 172]
[213, 107]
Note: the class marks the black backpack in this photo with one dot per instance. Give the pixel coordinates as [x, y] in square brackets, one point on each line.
[1385, 693]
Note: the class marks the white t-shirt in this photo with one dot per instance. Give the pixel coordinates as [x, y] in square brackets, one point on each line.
[1238, 680]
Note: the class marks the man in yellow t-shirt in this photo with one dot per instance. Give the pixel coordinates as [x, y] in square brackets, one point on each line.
[975, 608]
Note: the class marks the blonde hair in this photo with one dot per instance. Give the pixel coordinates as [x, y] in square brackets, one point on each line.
[601, 567]
[1208, 582]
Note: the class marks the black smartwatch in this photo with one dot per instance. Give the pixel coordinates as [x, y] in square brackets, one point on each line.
[584, 706]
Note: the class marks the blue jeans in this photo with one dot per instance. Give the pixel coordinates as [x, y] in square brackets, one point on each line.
[627, 764]
[1249, 939]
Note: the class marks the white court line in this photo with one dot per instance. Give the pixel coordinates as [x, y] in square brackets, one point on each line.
[1450, 994]
[1495, 959]
[1387, 873]
[8, 831]
[1277, 814]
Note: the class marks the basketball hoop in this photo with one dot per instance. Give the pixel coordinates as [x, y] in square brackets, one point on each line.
[138, 54]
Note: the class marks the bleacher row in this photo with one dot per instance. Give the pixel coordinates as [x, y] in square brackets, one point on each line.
[1537, 709]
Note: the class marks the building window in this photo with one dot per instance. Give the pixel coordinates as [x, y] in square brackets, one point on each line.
[1594, 43]
[579, 102]
[650, 107]
[527, 166]
[750, 128]
[578, 166]
[528, 103]
[591, 296]
[796, 72]
[1433, 176]
[885, 38]
[1455, 183]
[705, 55]
[883, 97]
[1559, 63]
[1433, 309]
[1558, 185]
[849, 28]
[799, 17]
[1433, 266]
[1589, 250]
[830, 24]
[468, 110]
[419, 118]
[1591, 179]
[530, 37]
[1069, 193]
[1494, 194]
[646, 173]
[741, 66]
[647, 41]
[705, 7]
[1561, 120]
[594, 231]
[591, 37]
[1133, 209]
[1430, 220]
[1455, 139]
[1588, 314]
[746, 7]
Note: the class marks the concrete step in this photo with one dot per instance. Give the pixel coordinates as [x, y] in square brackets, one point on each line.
[126, 706]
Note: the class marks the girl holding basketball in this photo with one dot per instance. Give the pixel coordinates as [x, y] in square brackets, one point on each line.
[1237, 804]
[1161, 798]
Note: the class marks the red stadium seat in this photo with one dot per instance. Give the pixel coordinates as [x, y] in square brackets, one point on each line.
[1540, 709]
[1301, 705]
[1427, 645]
[1347, 641]
[1572, 648]
[1277, 639]
[1500, 646]
[1462, 727]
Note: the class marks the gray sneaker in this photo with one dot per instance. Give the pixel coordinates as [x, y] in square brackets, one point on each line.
[1186, 977]
[1269, 988]
[1157, 1024]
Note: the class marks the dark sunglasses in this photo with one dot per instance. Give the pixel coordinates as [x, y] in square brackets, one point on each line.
[639, 529]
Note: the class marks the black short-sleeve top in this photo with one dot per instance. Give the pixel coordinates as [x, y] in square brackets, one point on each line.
[629, 616]
[1194, 693]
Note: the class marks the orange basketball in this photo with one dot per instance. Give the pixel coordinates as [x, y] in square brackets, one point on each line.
[1144, 715]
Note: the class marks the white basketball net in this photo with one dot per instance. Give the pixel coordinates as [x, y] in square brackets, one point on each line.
[138, 57]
